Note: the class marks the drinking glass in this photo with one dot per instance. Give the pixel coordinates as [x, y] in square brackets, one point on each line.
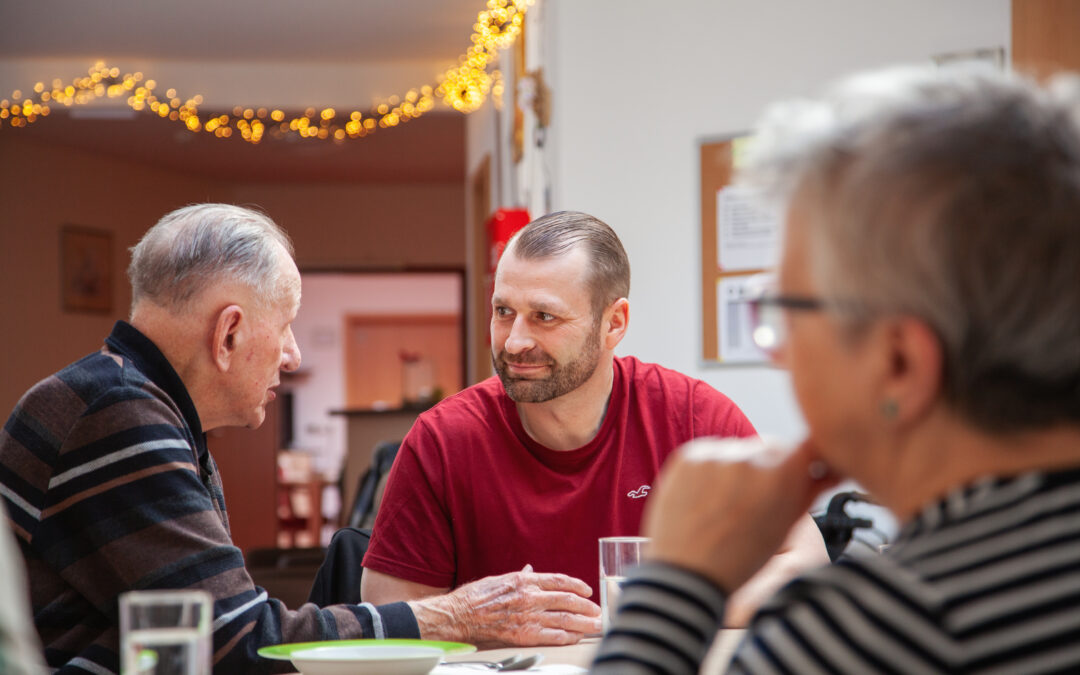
[617, 556]
[165, 632]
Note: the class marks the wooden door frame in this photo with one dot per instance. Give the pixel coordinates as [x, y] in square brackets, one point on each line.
[480, 185]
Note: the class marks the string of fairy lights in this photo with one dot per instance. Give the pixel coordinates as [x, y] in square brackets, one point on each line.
[464, 88]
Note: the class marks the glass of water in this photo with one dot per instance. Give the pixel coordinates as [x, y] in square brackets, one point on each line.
[165, 632]
[617, 556]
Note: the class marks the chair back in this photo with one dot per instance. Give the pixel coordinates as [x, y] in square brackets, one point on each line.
[369, 492]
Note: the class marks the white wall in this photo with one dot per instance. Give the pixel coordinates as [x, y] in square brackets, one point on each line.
[479, 144]
[636, 85]
[489, 134]
[320, 331]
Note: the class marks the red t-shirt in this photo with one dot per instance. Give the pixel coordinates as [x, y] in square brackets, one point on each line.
[472, 495]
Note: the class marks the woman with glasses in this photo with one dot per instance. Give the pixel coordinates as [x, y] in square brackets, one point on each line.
[927, 306]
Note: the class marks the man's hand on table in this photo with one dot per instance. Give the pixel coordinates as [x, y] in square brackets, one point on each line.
[523, 608]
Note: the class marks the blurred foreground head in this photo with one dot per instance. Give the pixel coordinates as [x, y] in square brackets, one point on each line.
[952, 195]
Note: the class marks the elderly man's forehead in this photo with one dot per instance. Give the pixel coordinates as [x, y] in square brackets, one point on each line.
[291, 291]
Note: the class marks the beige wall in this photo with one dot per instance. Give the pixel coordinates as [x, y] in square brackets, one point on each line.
[356, 226]
[43, 187]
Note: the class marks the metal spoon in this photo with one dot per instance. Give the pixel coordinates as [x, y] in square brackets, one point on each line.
[515, 662]
[494, 665]
[523, 663]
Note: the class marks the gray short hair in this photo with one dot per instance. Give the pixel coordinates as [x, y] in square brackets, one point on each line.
[952, 195]
[195, 246]
[557, 233]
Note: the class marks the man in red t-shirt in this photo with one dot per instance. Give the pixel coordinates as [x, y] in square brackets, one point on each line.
[527, 470]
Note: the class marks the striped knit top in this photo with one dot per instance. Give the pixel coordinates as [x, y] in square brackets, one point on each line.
[109, 487]
[985, 581]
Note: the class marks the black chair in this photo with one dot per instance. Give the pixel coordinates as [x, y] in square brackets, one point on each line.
[285, 558]
[338, 579]
[369, 492]
[837, 526]
[285, 573]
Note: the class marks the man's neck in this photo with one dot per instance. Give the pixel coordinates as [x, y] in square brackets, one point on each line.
[178, 339]
[574, 419]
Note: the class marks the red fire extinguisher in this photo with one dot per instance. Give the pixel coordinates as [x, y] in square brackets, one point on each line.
[501, 226]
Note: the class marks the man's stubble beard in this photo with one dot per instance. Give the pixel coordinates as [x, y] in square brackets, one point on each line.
[564, 378]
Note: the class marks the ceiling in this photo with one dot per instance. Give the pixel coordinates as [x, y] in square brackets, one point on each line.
[314, 30]
[364, 34]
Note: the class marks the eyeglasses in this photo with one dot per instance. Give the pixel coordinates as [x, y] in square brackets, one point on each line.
[768, 325]
[768, 311]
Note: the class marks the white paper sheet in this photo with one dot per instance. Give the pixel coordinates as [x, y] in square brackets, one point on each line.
[736, 344]
[748, 236]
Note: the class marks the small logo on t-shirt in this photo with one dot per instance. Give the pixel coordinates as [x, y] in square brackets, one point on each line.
[639, 493]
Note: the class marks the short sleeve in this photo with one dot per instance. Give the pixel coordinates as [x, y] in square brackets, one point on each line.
[717, 415]
[413, 534]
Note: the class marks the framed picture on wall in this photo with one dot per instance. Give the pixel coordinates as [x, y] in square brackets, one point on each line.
[85, 269]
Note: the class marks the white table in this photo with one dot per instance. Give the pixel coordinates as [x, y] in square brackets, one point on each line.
[582, 653]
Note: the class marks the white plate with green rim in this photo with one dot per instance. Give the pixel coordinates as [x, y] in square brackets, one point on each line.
[366, 657]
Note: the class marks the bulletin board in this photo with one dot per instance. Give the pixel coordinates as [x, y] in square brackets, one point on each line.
[738, 241]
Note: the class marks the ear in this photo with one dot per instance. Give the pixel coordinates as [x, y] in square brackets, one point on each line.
[914, 371]
[615, 322]
[225, 338]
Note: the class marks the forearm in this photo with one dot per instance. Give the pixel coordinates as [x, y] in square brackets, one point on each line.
[381, 588]
[680, 611]
[744, 602]
[250, 620]
[440, 618]
[804, 549]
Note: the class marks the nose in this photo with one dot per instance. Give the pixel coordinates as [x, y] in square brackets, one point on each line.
[519, 339]
[290, 354]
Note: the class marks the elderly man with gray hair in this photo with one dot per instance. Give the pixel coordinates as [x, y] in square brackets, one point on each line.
[928, 309]
[106, 476]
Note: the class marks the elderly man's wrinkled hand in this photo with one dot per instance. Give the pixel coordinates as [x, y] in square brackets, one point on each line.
[523, 608]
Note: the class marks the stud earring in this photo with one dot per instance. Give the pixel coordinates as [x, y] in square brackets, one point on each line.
[890, 409]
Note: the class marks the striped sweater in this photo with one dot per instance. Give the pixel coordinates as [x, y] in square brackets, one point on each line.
[985, 581]
[109, 487]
